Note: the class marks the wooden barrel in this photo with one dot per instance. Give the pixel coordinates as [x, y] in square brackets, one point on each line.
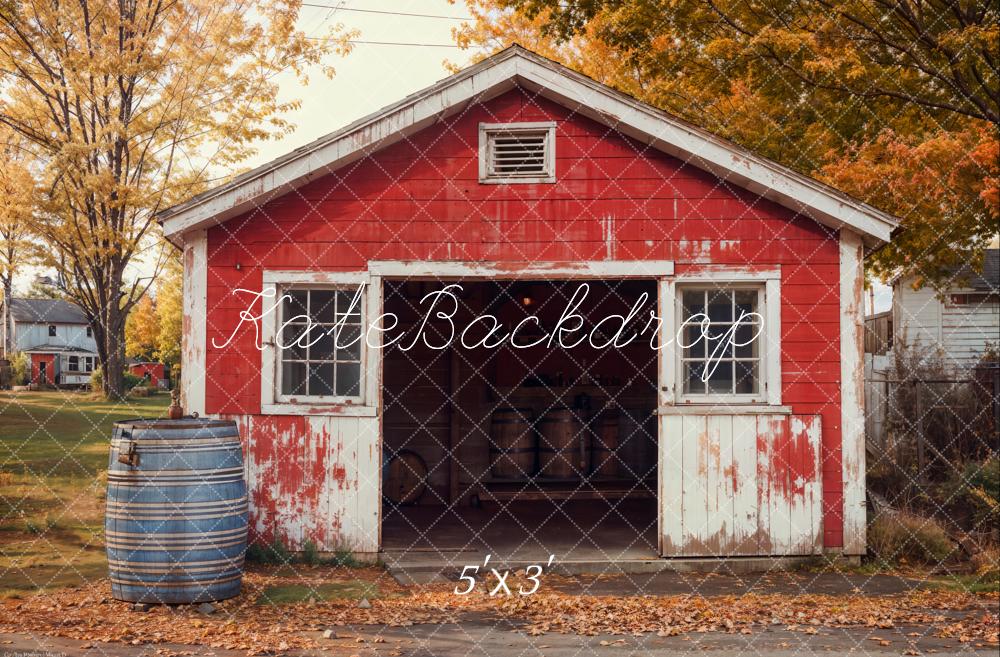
[604, 448]
[513, 445]
[637, 443]
[560, 438]
[404, 478]
[176, 518]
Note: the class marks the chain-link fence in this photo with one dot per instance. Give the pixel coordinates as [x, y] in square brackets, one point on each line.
[932, 442]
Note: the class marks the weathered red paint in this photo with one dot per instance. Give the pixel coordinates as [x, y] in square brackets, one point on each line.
[614, 198]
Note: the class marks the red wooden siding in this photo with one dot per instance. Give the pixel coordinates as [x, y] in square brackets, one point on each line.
[614, 199]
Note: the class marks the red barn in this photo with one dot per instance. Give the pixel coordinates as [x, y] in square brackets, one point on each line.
[152, 372]
[521, 313]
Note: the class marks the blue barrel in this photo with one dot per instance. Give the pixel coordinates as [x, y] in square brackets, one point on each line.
[176, 520]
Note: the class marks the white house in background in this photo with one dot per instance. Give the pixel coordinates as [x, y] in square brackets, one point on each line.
[57, 338]
[960, 320]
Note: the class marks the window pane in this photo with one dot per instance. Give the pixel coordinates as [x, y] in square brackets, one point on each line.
[322, 349]
[694, 303]
[746, 302]
[692, 378]
[746, 378]
[320, 379]
[293, 378]
[721, 380]
[349, 379]
[312, 347]
[295, 304]
[720, 306]
[344, 310]
[292, 341]
[747, 341]
[694, 341]
[323, 308]
[349, 343]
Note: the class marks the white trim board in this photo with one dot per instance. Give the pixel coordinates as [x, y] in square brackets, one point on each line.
[768, 281]
[582, 269]
[194, 338]
[512, 67]
[271, 401]
[852, 394]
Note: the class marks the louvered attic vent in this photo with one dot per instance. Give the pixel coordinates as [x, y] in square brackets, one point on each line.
[517, 152]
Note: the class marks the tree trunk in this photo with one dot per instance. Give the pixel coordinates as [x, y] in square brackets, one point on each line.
[109, 333]
[114, 385]
[8, 294]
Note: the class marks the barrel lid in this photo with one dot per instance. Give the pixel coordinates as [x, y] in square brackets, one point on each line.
[182, 423]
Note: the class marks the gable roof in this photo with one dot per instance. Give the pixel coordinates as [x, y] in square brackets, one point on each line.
[518, 67]
[989, 279]
[964, 277]
[46, 311]
[57, 349]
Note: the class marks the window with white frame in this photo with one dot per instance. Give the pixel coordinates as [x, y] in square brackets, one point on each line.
[74, 364]
[517, 152]
[721, 338]
[320, 344]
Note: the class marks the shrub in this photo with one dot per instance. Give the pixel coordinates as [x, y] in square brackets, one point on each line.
[20, 369]
[983, 484]
[987, 563]
[896, 538]
[310, 554]
[97, 380]
[276, 553]
[344, 557]
[130, 381]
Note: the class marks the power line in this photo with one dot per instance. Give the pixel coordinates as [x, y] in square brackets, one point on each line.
[391, 43]
[388, 13]
[404, 43]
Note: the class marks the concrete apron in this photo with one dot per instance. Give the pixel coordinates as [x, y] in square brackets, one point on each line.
[410, 568]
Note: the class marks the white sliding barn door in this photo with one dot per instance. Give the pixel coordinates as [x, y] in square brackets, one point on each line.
[740, 485]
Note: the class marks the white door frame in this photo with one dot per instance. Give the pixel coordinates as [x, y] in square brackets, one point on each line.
[451, 270]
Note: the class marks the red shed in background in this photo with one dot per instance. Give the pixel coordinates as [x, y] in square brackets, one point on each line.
[153, 372]
[455, 393]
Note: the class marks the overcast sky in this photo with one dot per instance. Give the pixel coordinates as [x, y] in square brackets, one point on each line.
[375, 74]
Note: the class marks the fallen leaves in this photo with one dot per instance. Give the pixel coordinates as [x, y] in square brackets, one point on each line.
[87, 613]
[684, 614]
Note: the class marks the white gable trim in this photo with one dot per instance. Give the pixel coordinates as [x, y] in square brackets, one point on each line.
[491, 77]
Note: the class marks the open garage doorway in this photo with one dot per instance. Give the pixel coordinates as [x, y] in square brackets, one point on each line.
[519, 451]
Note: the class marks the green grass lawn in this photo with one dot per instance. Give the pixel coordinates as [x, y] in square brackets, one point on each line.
[53, 453]
[293, 593]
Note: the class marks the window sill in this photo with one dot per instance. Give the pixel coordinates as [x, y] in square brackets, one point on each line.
[539, 180]
[724, 409]
[318, 408]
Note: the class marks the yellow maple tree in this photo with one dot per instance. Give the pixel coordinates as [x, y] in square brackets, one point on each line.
[895, 103]
[129, 107]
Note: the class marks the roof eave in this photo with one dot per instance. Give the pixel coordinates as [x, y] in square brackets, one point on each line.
[518, 67]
